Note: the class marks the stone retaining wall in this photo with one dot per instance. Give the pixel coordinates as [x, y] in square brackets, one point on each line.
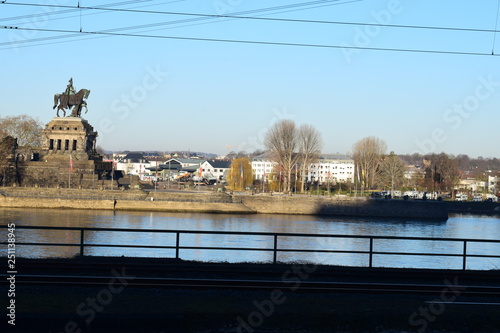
[346, 207]
[13, 202]
[221, 203]
[120, 200]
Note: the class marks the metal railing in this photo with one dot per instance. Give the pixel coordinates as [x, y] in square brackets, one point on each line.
[276, 249]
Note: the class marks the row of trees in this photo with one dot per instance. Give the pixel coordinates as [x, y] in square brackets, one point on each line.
[376, 170]
[465, 163]
[290, 146]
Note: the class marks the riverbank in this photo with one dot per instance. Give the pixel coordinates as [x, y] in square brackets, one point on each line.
[344, 206]
[121, 201]
[222, 203]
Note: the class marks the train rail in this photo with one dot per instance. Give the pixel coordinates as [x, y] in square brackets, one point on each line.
[263, 285]
[94, 265]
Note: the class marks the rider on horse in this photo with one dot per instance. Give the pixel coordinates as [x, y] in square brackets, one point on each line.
[70, 98]
[70, 90]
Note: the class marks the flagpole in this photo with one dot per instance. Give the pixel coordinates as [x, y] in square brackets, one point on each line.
[279, 181]
[264, 180]
[241, 176]
[156, 175]
[199, 176]
[328, 182]
[112, 175]
[70, 169]
[355, 182]
[296, 176]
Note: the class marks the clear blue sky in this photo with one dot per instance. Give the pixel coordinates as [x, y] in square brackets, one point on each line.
[166, 94]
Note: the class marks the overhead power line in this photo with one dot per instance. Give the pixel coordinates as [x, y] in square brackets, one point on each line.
[186, 22]
[77, 9]
[71, 10]
[326, 46]
[496, 27]
[267, 18]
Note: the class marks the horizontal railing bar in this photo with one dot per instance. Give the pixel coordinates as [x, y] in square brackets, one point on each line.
[131, 246]
[482, 256]
[419, 254]
[323, 251]
[146, 246]
[180, 247]
[208, 232]
[44, 244]
[259, 249]
[225, 248]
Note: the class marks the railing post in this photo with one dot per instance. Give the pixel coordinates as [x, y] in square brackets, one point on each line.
[371, 252]
[464, 267]
[177, 241]
[82, 241]
[275, 250]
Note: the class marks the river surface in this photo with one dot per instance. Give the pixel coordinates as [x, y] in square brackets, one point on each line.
[457, 226]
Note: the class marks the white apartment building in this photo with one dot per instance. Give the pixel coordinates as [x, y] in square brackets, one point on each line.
[471, 184]
[263, 164]
[493, 184]
[133, 164]
[215, 169]
[333, 168]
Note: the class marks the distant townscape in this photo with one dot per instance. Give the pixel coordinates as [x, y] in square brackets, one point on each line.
[432, 176]
[64, 154]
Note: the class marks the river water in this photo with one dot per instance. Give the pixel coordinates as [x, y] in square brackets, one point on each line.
[457, 226]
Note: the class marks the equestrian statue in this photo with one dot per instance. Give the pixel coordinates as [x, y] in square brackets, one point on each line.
[70, 98]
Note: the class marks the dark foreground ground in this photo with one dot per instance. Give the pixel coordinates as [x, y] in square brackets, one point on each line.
[159, 295]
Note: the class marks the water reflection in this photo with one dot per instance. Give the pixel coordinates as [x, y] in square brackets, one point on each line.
[458, 226]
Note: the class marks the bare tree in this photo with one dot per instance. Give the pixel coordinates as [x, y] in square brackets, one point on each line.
[282, 142]
[441, 172]
[24, 128]
[100, 150]
[391, 172]
[310, 143]
[367, 154]
[8, 165]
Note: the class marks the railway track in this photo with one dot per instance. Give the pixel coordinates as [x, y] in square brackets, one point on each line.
[292, 285]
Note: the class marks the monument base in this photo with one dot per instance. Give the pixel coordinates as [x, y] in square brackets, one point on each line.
[67, 158]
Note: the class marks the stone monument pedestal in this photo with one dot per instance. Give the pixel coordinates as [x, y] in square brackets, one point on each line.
[67, 158]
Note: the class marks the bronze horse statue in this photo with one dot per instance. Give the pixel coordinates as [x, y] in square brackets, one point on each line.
[76, 101]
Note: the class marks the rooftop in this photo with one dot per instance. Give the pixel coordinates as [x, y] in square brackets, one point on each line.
[339, 157]
[220, 164]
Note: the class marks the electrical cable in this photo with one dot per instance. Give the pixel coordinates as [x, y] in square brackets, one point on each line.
[255, 42]
[112, 32]
[271, 18]
[13, 18]
[496, 27]
[261, 10]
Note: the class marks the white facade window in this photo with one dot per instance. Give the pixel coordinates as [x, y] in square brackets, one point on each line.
[334, 169]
